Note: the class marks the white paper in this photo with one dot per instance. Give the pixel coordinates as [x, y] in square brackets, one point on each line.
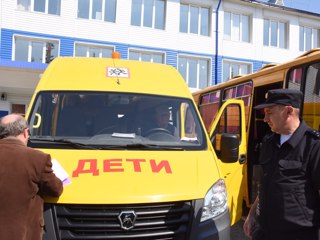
[60, 172]
[124, 135]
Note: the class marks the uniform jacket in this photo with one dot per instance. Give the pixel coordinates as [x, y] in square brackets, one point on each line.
[289, 193]
[25, 177]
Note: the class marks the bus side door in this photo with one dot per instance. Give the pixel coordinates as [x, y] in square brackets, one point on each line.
[228, 138]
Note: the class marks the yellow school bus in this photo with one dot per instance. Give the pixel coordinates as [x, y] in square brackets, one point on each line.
[302, 73]
[125, 176]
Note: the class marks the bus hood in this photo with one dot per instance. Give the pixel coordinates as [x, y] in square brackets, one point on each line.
[120, 177]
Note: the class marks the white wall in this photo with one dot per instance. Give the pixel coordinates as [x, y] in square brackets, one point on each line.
[255, 49]
[69, 25]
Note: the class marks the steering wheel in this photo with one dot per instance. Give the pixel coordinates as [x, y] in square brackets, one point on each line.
[108, 129]
[157, 130]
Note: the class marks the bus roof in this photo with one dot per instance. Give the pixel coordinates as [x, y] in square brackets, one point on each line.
[115, 75]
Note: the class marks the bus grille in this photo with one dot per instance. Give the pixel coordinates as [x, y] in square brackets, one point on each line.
[152, 221]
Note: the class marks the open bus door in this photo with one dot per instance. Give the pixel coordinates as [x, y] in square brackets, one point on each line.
[228, 138]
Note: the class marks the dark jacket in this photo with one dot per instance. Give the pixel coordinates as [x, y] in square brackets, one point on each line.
[25, 177]
[289, 195]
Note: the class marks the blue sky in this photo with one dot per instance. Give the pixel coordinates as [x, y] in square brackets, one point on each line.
[307, 5]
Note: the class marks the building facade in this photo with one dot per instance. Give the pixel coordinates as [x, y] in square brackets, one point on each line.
[208, 41]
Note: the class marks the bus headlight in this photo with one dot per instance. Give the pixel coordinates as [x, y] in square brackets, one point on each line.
[215, 201]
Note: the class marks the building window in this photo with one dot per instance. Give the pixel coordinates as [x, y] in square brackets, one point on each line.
[146, 56]
[148, 13]
[236, 27]
[18, 108]
[86, 50]
[195, 71]
[104, 10]
[194, 19]
[35, 50]
[45, 6]
[232, 69]
[308, 38]
[275, 33]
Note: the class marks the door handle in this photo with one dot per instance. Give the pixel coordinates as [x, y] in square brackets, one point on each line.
[242, 159]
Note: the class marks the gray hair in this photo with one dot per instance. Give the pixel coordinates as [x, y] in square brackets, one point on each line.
[14, 127]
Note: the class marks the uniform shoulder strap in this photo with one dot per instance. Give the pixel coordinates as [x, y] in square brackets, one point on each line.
[314, 133]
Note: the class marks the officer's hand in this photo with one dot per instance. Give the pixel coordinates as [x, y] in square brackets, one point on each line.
[249, 225]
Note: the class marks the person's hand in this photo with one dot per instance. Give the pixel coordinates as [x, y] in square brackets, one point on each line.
[249, 225]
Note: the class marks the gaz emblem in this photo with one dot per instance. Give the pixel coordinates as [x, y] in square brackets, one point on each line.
[127, 219]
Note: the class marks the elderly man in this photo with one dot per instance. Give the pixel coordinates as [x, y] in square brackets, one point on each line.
[25, 177]
[288, 203]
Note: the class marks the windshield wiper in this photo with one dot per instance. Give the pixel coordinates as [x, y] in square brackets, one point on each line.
[63, 141]
[103, 147]
[142, 146]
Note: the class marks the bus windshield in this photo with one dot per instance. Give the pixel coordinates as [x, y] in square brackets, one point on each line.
[115, 120]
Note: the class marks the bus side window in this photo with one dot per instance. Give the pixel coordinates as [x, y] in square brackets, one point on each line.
[311, 88]
[311, 108]
[208, 107]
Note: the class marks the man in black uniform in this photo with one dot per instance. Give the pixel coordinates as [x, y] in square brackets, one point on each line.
[288, 205]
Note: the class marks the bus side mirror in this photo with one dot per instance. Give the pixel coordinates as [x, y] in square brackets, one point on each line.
[229, 148]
